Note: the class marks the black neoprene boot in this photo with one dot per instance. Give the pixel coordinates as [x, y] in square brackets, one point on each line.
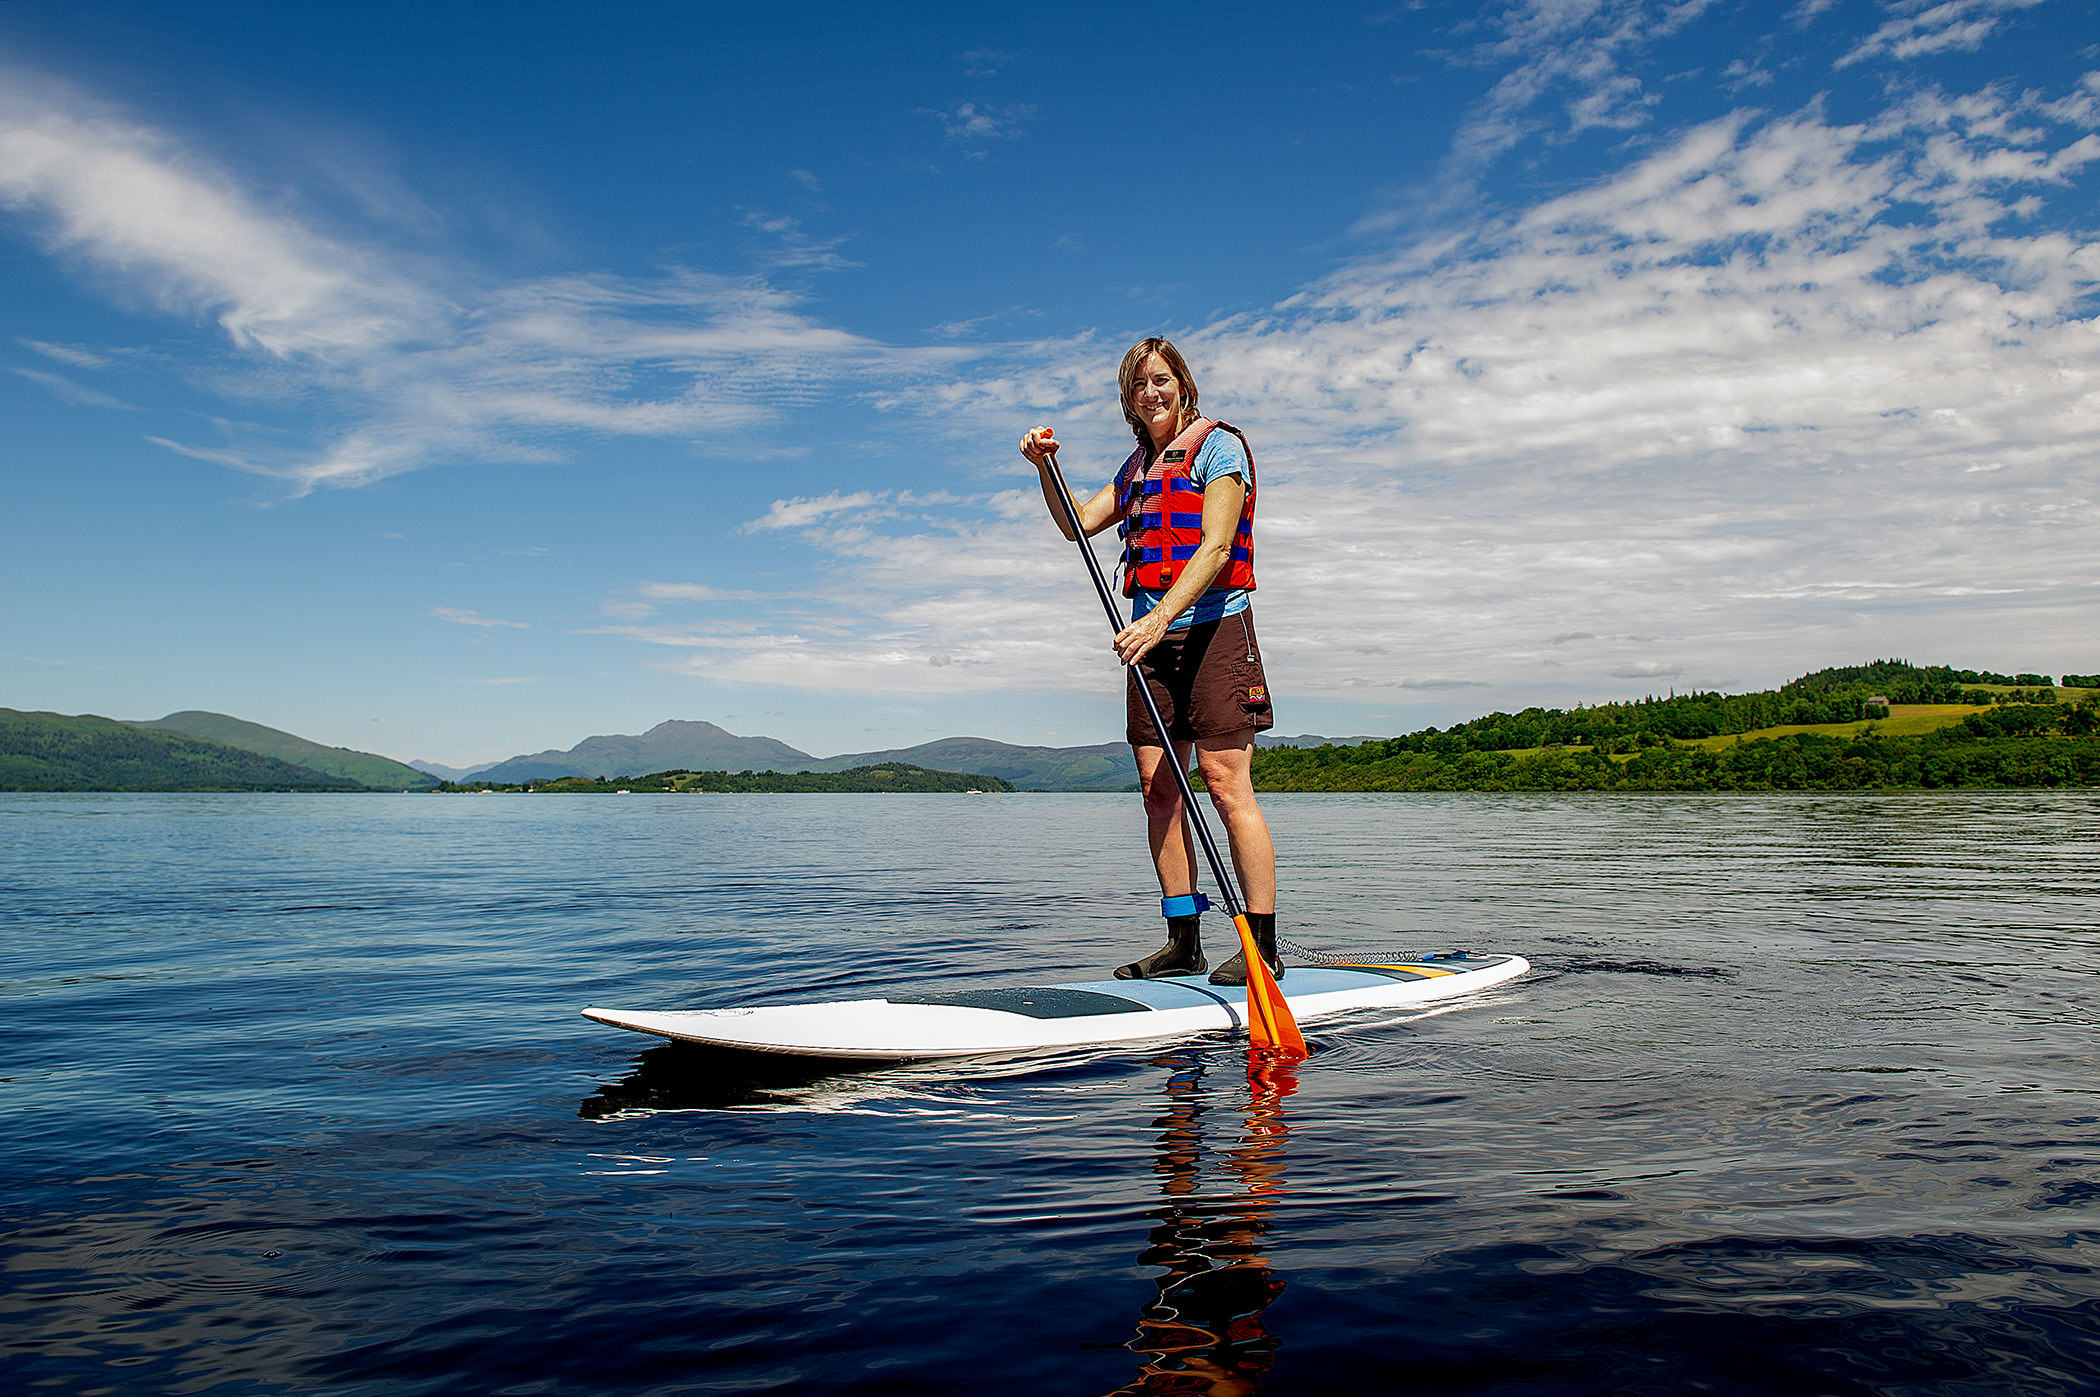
[1234, 971]
[1182, 955]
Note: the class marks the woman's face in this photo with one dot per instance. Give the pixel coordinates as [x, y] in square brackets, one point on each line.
[1157, 398]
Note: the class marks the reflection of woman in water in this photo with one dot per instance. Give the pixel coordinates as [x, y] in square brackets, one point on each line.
[1203, 1332]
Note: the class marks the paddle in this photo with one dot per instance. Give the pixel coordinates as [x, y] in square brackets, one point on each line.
[1271, 1030]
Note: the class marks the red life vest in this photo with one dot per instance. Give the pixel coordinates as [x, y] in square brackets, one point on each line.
[1163, 515]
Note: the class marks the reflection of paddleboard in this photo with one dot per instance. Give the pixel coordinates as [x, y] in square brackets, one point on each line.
[966, 1023]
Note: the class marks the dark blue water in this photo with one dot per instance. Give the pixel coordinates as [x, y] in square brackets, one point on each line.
[1802, 1098]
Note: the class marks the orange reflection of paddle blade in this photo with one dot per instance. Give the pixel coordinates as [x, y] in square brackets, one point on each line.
[1271, 1030]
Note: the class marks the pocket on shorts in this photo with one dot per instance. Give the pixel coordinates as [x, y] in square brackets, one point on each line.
[1254, 696]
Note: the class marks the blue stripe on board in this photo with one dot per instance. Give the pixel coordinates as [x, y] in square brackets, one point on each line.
[1183, 992]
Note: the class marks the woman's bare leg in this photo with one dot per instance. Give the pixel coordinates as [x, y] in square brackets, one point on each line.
[1227, 764]
[1173, 843]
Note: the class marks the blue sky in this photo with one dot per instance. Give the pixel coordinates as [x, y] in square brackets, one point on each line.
[452, 382]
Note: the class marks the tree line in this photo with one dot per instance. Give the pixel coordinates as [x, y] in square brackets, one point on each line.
[1826, 696]
[2024, 738]
[1954, 757]
[859, 780]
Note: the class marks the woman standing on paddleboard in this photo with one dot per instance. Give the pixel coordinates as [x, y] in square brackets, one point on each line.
[1184, 502]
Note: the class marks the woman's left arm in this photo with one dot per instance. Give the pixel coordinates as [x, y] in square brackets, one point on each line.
[1222, 499]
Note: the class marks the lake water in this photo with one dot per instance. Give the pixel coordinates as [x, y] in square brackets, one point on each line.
[1800, 1098]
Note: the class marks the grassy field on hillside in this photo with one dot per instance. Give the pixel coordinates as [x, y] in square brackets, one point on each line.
[1904, 720]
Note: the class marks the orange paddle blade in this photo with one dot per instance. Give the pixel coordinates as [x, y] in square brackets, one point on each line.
[1271, 1030]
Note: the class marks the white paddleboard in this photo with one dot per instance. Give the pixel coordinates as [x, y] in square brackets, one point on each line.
[972, 1023]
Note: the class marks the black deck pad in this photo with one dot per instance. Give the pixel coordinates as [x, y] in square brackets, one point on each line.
[1039, 1002]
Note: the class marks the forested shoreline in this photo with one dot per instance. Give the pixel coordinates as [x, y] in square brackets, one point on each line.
[898, 777]
[2023, 737]
[1885, 725]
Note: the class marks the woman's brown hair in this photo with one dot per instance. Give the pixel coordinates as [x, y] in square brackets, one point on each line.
[1126, 377]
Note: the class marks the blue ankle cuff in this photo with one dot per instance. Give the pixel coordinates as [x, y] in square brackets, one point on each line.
[1187, 906]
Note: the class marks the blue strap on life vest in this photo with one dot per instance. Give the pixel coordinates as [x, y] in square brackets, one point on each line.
[1185, 906]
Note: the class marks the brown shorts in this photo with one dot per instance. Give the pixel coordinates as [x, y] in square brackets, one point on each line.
[1207, 681]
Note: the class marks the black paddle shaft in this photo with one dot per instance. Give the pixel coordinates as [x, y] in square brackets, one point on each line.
[1159, 724]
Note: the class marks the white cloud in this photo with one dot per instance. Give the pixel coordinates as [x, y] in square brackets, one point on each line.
[1784, 388]
[473, 618]
[427, 366]
[680, 591]
[123, 198]
[1574, 52]
[66, 390]
[1781, 387]
[1921, 28]
[973, 124]
[67, 354]
[800, 513]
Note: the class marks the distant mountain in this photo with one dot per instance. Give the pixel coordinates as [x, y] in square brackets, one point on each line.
[55, 752]
[694, 746]
[449, 773]
[1106, 767]
[669, 746]
[364, 768]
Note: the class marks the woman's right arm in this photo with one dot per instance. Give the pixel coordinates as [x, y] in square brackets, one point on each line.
[1095, 514]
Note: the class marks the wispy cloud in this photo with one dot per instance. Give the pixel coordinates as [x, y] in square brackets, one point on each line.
[425, 365]
[693, 592]
[790, 246]
[1921, 28]
[800, 513]
[1779, 385]
[986, 62]
[974, 125]
[66, 390]
[1677, 394]
[67, 354]
[1565, 72]
[459, 617]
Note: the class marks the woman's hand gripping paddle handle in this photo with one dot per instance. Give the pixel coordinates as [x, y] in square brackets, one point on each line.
[1272, 1032]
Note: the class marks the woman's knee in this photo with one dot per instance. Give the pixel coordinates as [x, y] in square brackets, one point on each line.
[1231, 789]
[1162, 796]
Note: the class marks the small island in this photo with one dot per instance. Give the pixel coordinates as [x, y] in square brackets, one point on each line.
[898, 777]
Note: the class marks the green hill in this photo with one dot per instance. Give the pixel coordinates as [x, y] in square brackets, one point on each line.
[675, 744]
[1107, 767]
[54, 752]
[1952, 728]
[364, 768]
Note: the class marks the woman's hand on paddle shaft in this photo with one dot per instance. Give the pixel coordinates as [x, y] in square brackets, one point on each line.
[1136, 640]
[1038, 445]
